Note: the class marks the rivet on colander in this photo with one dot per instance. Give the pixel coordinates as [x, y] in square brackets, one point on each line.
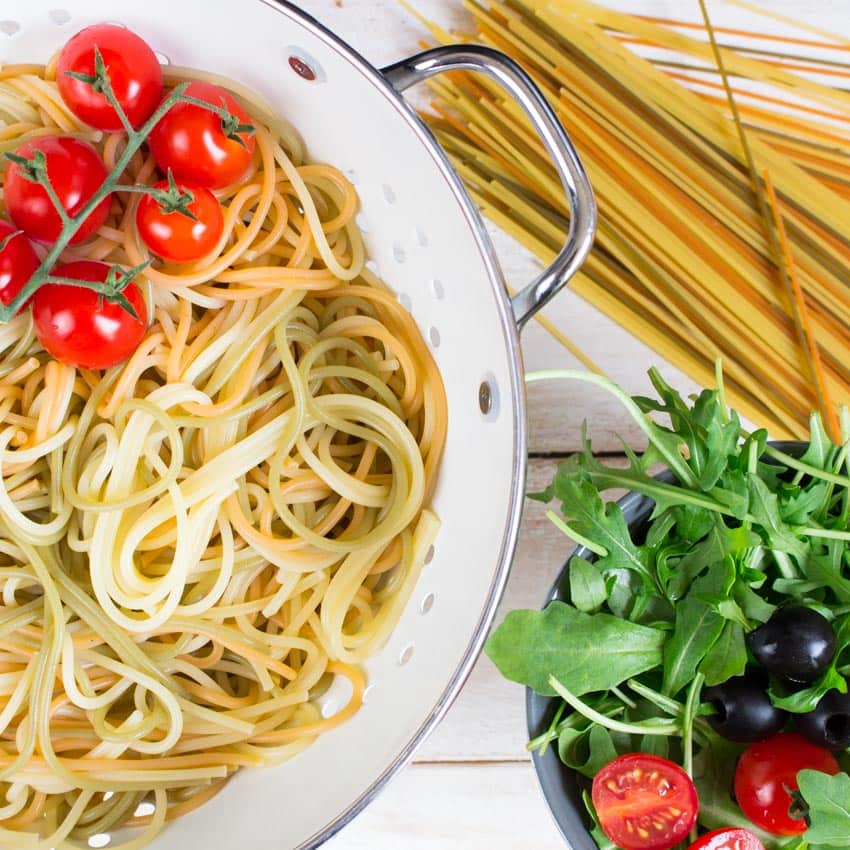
[485, 397]
[302, 69]
[9, 27]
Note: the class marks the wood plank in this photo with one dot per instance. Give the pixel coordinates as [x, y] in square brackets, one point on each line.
[455, 807]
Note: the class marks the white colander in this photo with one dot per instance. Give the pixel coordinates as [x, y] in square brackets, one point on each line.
[428, 242]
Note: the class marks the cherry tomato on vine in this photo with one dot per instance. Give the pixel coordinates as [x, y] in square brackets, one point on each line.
[644, 802]
[18, 261]
[133, 69]
[75, 171]
[175, 236]
[81, 328]
[193, 141]
[727, 839]
[767, 771]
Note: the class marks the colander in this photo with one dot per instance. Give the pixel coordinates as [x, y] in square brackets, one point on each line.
[427, 240]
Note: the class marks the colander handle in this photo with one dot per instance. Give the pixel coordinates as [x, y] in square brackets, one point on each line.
[473, 57]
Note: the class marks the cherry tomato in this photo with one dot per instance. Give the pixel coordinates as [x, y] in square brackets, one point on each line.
[644, 802]
[18, 262]
[173, 235]
[75, 171]
[727, 839]
[75, 328]
[767, 769]
[191, 140]
[134, 72]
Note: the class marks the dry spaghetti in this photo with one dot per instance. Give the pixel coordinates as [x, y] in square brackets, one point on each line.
[194, 543]
[684, 258]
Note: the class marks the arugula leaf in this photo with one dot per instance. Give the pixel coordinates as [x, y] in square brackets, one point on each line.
[589, 750]
[697, 629]
[764, 508]
[602, 524]
[728, 656]
[819, 451]
[828, 801]
[798, 506]
[719, 543]
[753, 606]
[587, 585]
[587, 652]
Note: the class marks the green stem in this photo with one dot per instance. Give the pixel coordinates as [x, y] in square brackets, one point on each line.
[691, 706]
[808, 469]
[829, 533]
[57, 204]
[599, 551]
[135, 139]
[670, 706]
[642, 728]
[674, 460]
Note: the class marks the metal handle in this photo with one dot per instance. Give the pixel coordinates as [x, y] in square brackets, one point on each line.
[473, 57]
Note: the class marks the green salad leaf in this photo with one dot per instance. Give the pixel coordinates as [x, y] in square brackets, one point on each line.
[528, 647]
[828, 801]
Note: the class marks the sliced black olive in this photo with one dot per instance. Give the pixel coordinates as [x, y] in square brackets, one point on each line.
[797, 643]
[743, 710]
[829, 724]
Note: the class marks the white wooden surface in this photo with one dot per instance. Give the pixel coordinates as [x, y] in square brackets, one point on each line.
[471, 785]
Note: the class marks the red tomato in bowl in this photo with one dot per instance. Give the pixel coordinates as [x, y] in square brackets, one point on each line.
[730, 838]
[644, 802]
[75, 171]
[18, 261]
[134, 72]
[767, 771]
[175, 236]
[191, 140]
[80, 328]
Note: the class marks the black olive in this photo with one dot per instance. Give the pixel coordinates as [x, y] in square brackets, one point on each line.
[829, 724]
[797, 643]
[743, 710]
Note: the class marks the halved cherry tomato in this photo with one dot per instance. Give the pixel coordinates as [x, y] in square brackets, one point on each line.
[18, 261]
[767, 771]
[75, 171]
[727, 839]
[191, 140]
[134, 72]
[79, 327]
[175, 236]
[644, 802]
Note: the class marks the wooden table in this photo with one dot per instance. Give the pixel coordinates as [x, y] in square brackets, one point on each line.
[472, 784]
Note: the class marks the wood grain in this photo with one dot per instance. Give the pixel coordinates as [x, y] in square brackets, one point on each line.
[463, 807]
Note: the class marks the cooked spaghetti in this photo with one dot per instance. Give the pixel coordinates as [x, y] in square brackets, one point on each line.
[194, 543]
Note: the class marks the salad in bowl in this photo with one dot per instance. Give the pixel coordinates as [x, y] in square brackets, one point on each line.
[688, 677]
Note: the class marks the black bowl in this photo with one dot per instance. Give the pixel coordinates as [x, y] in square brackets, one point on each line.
[561, 786]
